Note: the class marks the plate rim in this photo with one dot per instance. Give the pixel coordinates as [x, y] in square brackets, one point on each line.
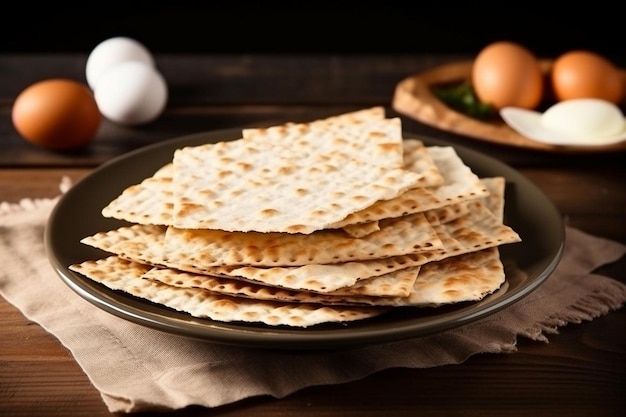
[251, 335]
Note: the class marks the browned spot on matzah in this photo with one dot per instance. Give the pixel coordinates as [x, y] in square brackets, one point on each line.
[296, 228]
[187, 208]
[253, 316]
[244, 166]
[359, 198]
[236, 193]
[389, 147]
[377, 135]
[286, 169]
[224, 174]
[226, 304]
[340, 141]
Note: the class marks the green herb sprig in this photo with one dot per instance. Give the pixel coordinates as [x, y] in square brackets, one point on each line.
[462, 98]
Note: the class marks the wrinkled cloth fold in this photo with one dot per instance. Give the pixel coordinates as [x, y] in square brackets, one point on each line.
[136, 368]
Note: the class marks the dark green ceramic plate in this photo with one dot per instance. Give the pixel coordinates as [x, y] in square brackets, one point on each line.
[528, 263]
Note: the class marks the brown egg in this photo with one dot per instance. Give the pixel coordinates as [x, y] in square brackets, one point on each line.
[58, 114]
[585, 74]
[507, 74]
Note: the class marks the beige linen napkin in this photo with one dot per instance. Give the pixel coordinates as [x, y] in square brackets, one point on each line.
[137, 368]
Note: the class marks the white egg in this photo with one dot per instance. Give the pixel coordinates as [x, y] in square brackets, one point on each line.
[584, 122]
[112, 52]
[131, 93]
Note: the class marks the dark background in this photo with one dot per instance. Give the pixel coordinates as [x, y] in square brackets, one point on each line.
[304, 26]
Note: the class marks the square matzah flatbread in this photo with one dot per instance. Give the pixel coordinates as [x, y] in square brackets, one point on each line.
[397, 284]
[310, 179]
[357, 116]
[123, 275]
[147, 202]
[495, 200]
[459, 184]
[462, 278]
[408, 234]
[144, 244]
[477, 229]
[151, 200]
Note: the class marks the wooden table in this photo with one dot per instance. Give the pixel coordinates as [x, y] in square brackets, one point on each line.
[579, 373]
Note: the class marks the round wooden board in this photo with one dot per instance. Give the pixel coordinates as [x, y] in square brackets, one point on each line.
[414, 98]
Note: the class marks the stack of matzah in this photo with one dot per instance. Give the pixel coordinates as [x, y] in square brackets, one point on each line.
[334, 220]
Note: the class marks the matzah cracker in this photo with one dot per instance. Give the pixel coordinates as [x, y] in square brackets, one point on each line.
[148, 202]
[123, 275]
[145, 244]
[416, 158]
[434, 216]
[462, 278]
[357, 116]
[246, 185]
[403, 235]
[478, 230]
[460, 184]
[468, 277]
[397, 284]
[151, 200]
[495, 200]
